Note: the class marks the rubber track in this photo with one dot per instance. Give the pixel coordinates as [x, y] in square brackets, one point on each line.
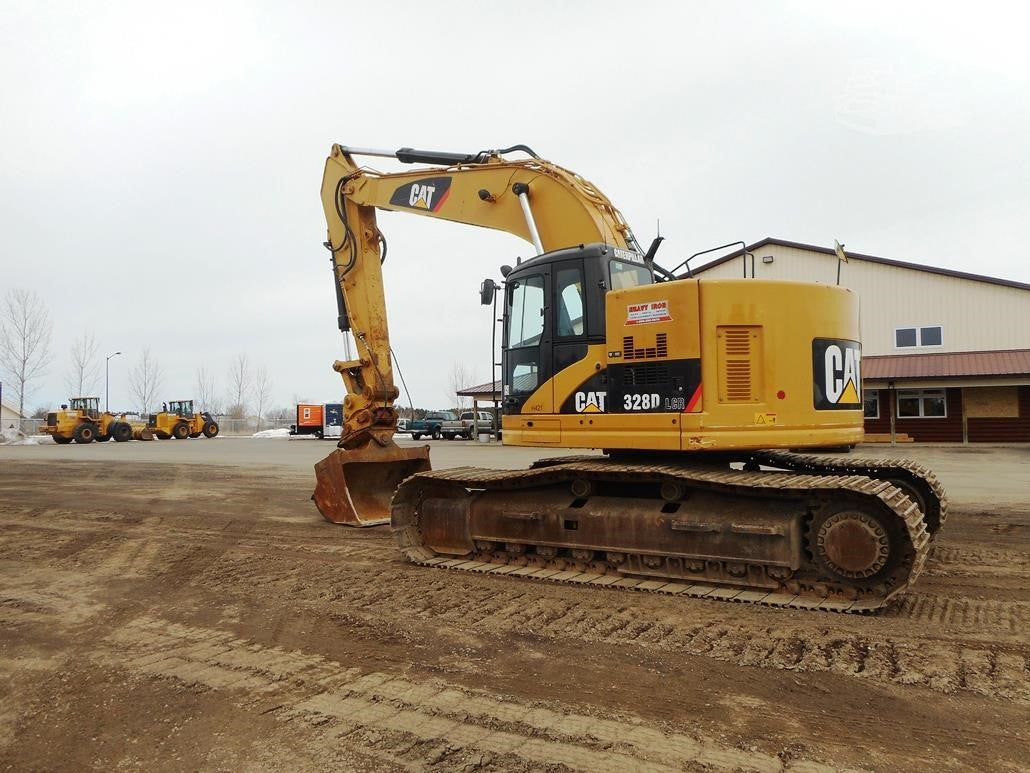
[409, 537]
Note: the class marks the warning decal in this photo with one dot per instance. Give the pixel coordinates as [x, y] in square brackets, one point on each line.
[643, 313]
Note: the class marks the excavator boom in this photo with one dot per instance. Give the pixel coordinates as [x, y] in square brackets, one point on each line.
[546, 205]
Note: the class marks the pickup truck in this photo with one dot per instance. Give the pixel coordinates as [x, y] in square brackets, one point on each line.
[430, 425]
[462, 427]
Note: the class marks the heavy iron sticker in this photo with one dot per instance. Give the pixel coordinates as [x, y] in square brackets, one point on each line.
[428, 194]
[836, 374]
[643, 313]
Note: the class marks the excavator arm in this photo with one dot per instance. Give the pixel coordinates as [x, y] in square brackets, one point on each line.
[546, 205]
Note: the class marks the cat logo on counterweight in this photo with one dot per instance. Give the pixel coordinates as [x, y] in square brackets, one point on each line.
[836, 374]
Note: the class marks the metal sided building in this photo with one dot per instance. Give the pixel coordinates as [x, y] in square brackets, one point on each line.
[945, 354]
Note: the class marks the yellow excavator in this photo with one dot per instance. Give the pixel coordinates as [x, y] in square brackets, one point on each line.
[694, 389]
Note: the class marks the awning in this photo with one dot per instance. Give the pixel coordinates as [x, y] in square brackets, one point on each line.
[892, 367]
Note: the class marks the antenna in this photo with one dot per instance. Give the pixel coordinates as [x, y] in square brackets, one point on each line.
[841, 256]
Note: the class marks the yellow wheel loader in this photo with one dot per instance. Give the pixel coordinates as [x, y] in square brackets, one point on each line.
[81, 420]
[693, 389]
[178, 420]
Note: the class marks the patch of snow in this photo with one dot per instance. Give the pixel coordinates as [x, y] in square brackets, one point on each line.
[282, 434]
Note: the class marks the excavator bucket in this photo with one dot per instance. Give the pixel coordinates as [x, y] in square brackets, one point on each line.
[355, 487]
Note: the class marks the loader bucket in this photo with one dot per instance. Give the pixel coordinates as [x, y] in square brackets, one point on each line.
[354, 487]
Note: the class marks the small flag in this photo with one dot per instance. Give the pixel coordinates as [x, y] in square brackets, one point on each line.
[839, 249]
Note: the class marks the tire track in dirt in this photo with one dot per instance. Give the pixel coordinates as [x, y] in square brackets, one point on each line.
[1012, 559]
[401, 716]
[42, 596]
[963, 613]
[372, 578]
[772, 639]
[257, 539]
[980, 564]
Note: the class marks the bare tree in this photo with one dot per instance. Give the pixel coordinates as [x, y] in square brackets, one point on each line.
[25, 330]
[239, 387]
[262, 393]
[85, 367]
[206, 394]
[145, 381]
[460, 379]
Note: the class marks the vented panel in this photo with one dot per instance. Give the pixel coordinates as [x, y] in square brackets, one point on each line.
[646, 374]
[632, 352]
[740, 364]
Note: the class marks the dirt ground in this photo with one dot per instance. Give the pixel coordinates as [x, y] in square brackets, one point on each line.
[184, 606]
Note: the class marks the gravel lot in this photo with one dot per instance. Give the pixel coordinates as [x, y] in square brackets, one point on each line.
[182, 605]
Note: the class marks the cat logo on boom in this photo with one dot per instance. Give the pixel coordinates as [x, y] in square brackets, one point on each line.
[837, 374]
[428, 194]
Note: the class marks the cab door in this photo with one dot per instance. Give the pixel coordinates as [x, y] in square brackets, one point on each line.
[526, 358]
[570, 315]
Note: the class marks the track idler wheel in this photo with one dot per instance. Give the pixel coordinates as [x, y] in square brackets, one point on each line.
[354, 487]
[855, 546]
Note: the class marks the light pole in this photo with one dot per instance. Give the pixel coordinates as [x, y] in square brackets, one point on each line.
[107, 381]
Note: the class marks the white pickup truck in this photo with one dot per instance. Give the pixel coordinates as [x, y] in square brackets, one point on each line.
[462, 428]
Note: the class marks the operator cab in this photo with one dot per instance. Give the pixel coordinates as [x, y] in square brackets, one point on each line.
[183, 408]
[88, 405]
[554, 309]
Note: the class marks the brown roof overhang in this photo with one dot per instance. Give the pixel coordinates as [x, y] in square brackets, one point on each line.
[1007, 362]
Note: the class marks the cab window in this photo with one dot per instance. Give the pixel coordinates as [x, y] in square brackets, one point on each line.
[624, 275]
[570, 302]
[526, 312]
[524, 378]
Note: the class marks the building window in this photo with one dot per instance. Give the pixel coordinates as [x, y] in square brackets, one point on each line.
[922, 404]
[912, 337]
[871, 403]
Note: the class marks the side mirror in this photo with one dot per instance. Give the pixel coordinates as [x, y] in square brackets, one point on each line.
[487, 290]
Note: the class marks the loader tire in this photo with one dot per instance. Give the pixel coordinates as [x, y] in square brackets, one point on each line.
[62, 441]
[121, 432]
[85, 433]
[102, 438]
[181, 431]
[210, 429]
[194, 435]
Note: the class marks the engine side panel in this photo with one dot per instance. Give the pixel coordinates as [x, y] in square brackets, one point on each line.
[696, 365]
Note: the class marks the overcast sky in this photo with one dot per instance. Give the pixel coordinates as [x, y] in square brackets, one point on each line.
[161, 163]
